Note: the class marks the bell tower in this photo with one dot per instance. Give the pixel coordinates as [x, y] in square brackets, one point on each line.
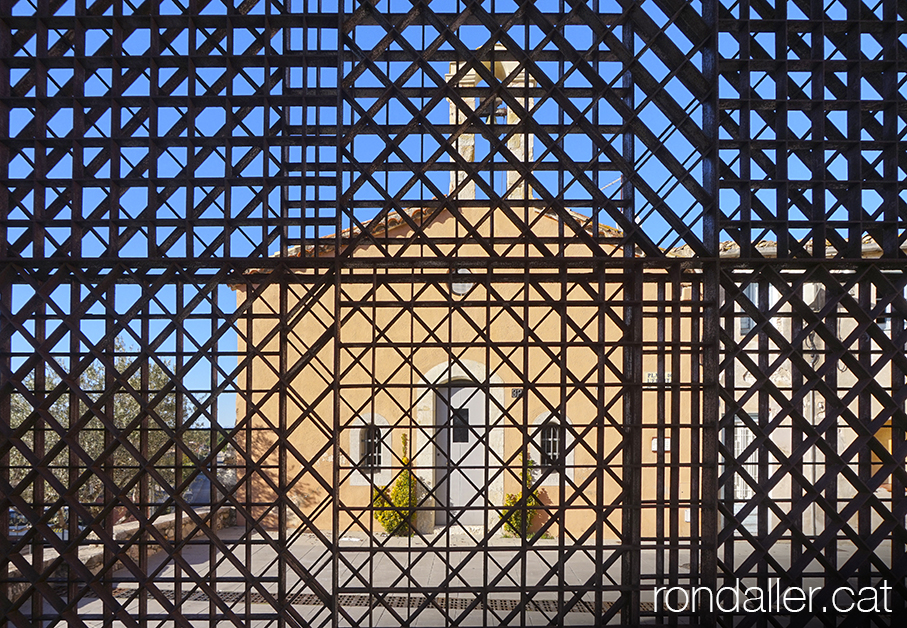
[500, 118]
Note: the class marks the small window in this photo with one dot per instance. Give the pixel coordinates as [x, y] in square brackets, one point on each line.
[460, 425]
[751, 292]
[370, 448]
[552, 448]
[458, 286]
[552, 445]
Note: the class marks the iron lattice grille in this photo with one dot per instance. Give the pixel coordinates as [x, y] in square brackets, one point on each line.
[238, 235]
[813, 386]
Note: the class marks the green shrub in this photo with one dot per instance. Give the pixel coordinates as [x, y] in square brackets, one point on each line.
[518, 516]
[395, 506]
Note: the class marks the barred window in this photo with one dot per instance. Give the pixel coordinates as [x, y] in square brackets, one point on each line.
[370, 448]
[552, 445]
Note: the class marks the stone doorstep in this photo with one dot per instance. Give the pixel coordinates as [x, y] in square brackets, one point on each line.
[92, 557]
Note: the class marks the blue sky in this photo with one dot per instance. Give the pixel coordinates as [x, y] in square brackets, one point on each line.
[172, 160]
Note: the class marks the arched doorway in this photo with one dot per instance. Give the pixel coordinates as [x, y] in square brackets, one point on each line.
[461, 450]
[464, 374]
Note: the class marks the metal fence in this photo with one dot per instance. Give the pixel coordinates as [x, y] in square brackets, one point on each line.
[355, 313]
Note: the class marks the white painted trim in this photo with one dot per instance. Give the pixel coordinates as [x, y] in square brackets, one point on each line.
[536, 450]
[426, 404]
[384, 475]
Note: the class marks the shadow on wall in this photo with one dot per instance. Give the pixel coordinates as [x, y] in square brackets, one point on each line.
[543, 515]
[258, 477]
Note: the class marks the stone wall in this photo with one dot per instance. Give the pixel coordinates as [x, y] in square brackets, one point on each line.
[91, 552]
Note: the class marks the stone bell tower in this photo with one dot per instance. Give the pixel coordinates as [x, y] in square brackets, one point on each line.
[520, 144]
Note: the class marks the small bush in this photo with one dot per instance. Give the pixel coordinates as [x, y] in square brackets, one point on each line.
[518, 517]
[395, 506]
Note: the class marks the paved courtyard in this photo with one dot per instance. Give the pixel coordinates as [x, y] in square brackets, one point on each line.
[388, 582]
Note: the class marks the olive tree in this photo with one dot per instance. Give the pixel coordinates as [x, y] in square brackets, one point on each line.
[123, 428]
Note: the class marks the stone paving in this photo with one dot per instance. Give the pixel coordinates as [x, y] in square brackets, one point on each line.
[522, 588]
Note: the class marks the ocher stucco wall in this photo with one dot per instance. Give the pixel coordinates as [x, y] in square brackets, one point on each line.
[562, 365]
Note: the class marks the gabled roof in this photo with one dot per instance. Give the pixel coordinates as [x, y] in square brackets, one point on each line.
[382, 228]
[394, 221]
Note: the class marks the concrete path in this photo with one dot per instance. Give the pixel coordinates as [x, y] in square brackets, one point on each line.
[385, 582]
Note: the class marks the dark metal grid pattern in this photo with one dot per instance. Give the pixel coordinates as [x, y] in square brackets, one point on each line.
[339, 166]
[399, 601]
[812, 100]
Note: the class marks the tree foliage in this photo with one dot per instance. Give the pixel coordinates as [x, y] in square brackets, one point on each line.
[395, 506]
[117, 418]
[521, 508]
